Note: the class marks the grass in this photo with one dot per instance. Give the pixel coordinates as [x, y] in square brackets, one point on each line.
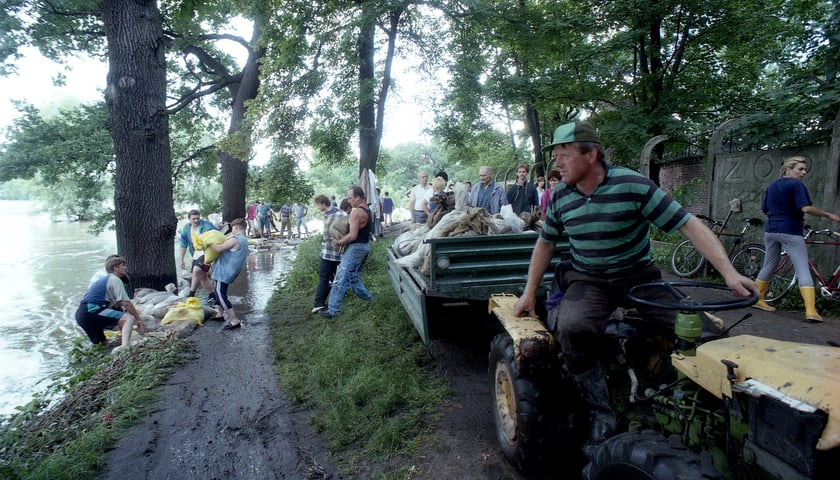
[366, 375]
[101, 396]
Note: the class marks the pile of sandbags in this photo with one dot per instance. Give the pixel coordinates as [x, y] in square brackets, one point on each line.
[166, 310]
[458, 221]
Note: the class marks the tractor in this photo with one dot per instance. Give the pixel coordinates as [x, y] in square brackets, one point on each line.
[691, 403]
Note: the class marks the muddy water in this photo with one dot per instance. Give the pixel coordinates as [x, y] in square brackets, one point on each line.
[45, 268]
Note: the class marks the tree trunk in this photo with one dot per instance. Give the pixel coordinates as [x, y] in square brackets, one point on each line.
[371, 108]
[136, 95]
[367, 99]
[235, 170]
[532, 122]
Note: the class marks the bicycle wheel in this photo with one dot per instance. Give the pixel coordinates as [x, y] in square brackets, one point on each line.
[782, 280]
[748, 260]
[686, 261]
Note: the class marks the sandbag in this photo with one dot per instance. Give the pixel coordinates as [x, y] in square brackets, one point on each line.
[210, 237]
[191, 310]
[340, 227]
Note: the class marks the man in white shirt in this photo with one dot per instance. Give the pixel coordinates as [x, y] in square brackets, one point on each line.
[422, 191]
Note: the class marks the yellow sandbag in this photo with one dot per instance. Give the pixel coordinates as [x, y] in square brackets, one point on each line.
[112, 334]
[210, 237]
[189, 310]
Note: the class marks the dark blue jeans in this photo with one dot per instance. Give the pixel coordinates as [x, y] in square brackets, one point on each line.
[326, 273]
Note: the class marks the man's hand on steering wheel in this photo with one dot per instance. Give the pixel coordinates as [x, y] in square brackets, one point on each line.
[740, 285]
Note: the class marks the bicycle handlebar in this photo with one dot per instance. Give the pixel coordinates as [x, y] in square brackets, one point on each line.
[810, 232]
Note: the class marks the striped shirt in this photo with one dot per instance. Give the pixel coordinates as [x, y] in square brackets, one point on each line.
[609, 231]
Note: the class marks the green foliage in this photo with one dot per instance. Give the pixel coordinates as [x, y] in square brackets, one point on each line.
[281, 181]
[365, 373]
[76, 141]
[69, 157]
[19, 189]
[640, 69]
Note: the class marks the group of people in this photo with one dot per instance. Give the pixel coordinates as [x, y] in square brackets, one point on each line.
[605, 211]
[107, 303]
[261, 218]
[232, 255]
[522, 195]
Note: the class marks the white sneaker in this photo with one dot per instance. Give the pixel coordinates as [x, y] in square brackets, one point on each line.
[317, 309]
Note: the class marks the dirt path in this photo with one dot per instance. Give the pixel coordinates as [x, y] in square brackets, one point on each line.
[222, 415]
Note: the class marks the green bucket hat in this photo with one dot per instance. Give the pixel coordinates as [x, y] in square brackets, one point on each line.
[573, 132]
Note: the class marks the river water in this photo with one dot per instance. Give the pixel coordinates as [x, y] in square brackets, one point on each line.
[45, 268]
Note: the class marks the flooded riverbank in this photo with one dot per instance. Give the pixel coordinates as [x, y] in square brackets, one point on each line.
[44, 271]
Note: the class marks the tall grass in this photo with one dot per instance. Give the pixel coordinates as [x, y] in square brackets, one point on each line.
[365, 374]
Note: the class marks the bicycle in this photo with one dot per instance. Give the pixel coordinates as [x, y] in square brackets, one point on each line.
[747, 258]
[784, 277]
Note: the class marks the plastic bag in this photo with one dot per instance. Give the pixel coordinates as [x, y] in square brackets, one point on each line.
[516, 223]
[210, 237]
[191, 310]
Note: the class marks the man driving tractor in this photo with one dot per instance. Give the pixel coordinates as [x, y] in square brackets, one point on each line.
[606, 211]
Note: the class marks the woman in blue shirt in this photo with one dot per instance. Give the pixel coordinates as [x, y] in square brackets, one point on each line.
[785, 203]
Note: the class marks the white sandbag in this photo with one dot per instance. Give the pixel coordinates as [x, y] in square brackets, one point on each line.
[461, 196]
[408, 241]
[415, 259]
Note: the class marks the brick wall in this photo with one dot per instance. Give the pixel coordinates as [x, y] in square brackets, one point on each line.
[681, 172]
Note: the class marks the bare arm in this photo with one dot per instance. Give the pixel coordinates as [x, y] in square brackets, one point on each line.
[812, 210]
[183, 252]
[711, 248]
[221, 247]
[540, 259]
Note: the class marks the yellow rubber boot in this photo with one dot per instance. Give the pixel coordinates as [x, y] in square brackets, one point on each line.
[809, 297]
[762, 291]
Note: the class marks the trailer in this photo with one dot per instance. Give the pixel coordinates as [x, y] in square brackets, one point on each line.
[468, 269]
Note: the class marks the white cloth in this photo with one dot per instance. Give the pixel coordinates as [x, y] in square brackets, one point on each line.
[421, 194]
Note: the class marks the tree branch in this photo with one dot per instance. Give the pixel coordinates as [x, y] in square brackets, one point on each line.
[192, 157]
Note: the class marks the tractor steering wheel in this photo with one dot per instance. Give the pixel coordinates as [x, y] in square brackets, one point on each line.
[684, 301]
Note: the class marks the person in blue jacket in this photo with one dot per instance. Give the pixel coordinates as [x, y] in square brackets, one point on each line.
[488, 194]
[785, 203]
[226, 268]
[198, 268]
[107, 304]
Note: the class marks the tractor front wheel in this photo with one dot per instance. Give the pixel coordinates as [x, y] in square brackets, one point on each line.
[647, 455]
[519, 408]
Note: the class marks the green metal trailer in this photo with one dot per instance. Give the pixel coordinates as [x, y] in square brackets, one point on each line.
[468, 268]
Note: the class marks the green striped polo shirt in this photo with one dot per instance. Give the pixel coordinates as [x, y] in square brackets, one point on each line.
[609, 230]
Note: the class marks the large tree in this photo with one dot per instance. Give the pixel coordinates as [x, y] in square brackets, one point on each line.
[136, 95]
[338, 74]
[636, 68]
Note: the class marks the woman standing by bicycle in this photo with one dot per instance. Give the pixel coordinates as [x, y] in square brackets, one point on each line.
[785, 203]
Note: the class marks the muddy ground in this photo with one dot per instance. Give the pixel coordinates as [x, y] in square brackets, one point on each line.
[222, 415]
